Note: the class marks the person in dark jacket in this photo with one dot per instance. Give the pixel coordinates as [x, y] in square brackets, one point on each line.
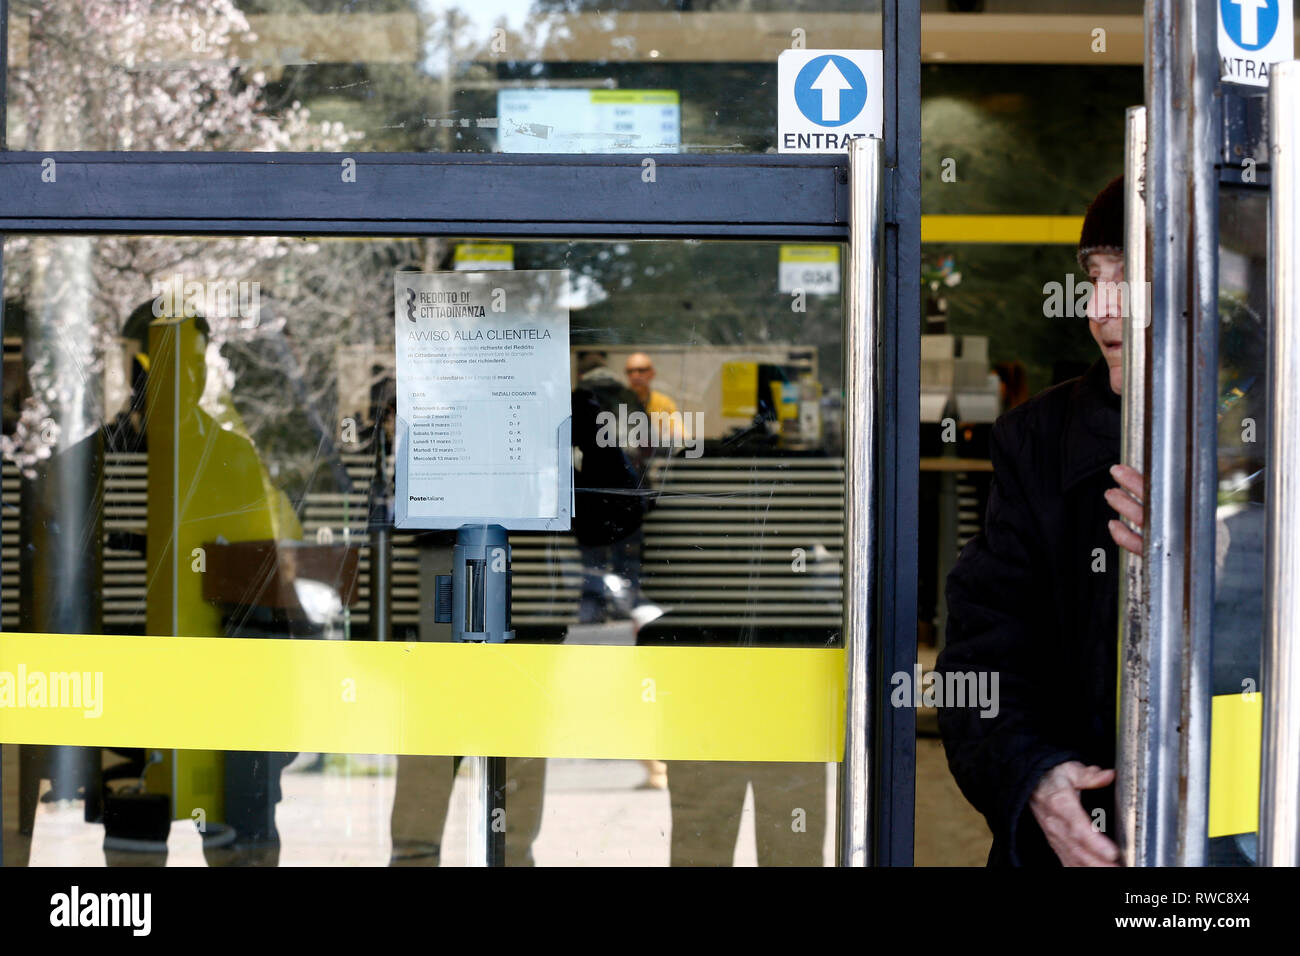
[611, 490]
[1034, 599]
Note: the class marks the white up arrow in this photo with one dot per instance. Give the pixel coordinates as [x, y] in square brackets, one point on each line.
[1249, 11]
[832, 85]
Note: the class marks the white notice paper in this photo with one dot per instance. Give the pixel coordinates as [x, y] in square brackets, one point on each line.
[483, 406]
[589, 121]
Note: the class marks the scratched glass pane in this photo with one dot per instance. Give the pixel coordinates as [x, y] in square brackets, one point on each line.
[531, 76]
[1242, 427]
[200, 441]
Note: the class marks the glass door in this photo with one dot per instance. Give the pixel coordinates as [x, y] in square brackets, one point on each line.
[203, 387]
[1206, 773]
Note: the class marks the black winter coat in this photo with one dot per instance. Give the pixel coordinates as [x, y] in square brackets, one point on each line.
[611, 494]
[1034, 598]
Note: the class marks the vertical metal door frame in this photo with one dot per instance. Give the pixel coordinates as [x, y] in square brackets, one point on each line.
[861, 466]
[1168, 775]
[1132, 751]
[899, 395]
[1279, 790]
[774, 198]
[4, 144]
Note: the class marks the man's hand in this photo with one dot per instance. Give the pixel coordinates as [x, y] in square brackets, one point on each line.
[1059, 811]
[1127, 500]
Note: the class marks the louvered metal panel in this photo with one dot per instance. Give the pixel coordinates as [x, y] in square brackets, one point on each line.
[722, 547]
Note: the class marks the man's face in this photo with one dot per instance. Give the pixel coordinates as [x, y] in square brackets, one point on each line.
[1105, 312]
[640, 373]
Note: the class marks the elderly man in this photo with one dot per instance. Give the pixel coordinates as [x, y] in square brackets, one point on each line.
[1035, 598]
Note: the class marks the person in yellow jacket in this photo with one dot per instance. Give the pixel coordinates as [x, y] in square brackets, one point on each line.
[640, 372]
[207, 485]
[206, 469]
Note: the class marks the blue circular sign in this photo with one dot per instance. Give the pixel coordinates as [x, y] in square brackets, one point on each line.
[830, 90]
[1250, 23]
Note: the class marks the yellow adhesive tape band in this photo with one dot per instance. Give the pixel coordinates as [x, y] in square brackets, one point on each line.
[1035, 230]
[511, 700]
[508, 700]
[1237, 726]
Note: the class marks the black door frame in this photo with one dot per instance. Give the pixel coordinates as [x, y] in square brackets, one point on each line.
[758, 197]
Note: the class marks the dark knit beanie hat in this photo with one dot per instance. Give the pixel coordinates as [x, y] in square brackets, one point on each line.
[1103, 223]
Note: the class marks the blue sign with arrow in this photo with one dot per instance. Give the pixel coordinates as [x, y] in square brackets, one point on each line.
[830, 90]
[1250, 24]
[828, 98]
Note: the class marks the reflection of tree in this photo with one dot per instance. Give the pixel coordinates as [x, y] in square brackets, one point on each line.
[320, 295]
[158, 75]
[126, 75]
[465, 56]
[143, 74]
[391, 102]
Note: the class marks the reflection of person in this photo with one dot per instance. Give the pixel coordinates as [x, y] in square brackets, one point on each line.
[640, 373]
[127, 433]
[423, 795]
[207, 484]
[423, 783]
[224, 491]
[1034, 601]
[610, 491]
[708, 798]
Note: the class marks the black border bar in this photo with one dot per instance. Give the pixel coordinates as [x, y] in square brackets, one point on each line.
[680, 196]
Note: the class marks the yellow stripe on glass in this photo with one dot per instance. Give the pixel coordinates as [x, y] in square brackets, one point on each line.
[637, 97]
[1035, 230]
[1236, 722]
[810, 254]
[191, 693]
[484, 252]
[675, 703]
